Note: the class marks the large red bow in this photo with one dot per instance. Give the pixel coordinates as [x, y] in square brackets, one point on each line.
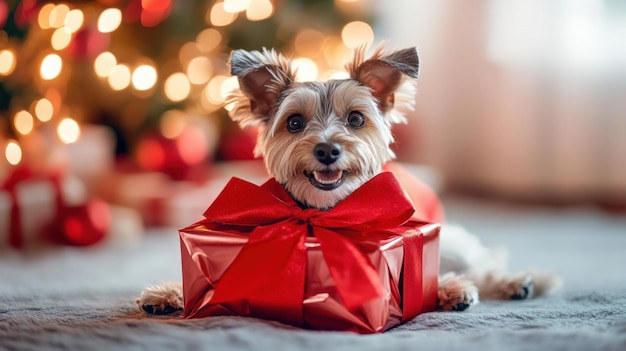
[274, 258]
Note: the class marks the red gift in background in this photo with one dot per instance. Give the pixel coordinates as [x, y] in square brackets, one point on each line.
[363, 266]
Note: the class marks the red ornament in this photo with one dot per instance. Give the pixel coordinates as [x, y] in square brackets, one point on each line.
[177, 157]
[4, 13]
[238, 144]
[82, 225]
[88, 43]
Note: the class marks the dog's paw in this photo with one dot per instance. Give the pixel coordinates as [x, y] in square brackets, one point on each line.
[521, 289]
[515, 287]
[161, 299]
[456, 293]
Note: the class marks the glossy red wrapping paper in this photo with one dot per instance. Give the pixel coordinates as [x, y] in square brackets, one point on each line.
[364, 266]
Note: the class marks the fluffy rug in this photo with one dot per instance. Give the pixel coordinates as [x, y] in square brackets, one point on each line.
[83, 299]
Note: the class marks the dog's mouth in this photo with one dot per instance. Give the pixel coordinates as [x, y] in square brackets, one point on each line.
[326, 179]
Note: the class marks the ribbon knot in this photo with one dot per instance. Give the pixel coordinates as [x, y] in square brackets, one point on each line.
[305, 216]
[274, 258]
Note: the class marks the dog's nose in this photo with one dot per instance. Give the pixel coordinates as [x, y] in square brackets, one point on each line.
[327, 153]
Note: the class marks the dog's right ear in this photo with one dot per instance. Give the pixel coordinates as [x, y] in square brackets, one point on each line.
[262, 77]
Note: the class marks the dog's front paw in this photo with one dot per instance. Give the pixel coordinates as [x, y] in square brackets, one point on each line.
[161, 299]
[456, 293]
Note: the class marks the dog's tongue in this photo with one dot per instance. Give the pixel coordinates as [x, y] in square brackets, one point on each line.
[327, 177]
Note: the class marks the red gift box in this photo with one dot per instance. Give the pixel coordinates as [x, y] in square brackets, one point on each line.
[365, 266]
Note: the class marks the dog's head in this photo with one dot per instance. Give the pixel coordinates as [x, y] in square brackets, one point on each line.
[323, 140]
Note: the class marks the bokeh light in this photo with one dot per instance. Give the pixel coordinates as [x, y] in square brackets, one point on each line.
[213, 90]
[13, 152]
[172, 123]
[219, 17]
[57, 15]
[306, 69]
[177, 87]
[199, 70]
[356, 34]
[234, 6]
[23, 122]
[61, 38]
[68, 130]
[308, 42]
[7, 62]
[44, 110]
[43, 19]
[208, 39]
[104, 64]
[144, 77]
[109, 20]
[51, 66]
[74, 20]
[259, 10]
[119, 77]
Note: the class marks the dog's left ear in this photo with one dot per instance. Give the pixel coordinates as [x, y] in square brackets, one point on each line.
[384, 74]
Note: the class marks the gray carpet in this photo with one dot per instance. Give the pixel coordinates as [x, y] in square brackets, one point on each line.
[82, 299]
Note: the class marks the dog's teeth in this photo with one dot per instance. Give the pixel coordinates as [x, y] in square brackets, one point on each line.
[329, 177]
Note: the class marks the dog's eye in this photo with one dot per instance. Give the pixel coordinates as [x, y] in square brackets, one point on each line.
[356, 119]
[295, 123]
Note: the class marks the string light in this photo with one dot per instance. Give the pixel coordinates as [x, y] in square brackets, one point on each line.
[44, 110]
[306, 69]
[61, 38]
[13, 152]
[177, 87]
[213, 90]
[68, 130]
[74, 20]
[234, 6]
[144, 77]
[208, 39]
[43, 19]
[57, 15]
[199, 70]
[357, 33]
[23, 122]
[219, 17]
[172, 123]
[119, 77]
[109, 20]
[104, 64]
[259, 10]
[51, 66]
[7, 62]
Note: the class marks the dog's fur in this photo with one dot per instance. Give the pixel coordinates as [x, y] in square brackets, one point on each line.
[323, 140]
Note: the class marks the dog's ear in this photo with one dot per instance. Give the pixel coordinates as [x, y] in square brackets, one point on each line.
[262, 77]
[384, 73]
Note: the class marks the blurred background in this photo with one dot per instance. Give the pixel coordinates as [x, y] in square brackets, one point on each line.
[112, 112]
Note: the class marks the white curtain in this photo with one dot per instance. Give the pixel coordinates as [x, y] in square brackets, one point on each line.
[520, 98]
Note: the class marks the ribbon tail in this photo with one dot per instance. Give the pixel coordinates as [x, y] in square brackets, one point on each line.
[356, 279]
[267, 264]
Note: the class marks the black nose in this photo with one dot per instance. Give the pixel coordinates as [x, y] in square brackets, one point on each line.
[327, 153]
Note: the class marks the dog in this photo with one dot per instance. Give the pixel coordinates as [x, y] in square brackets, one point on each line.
[323, 140]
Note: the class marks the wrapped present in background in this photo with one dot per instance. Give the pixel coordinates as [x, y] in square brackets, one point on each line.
[363, 266]
[56, 208]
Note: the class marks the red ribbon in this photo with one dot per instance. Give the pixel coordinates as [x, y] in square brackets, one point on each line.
[274, 258]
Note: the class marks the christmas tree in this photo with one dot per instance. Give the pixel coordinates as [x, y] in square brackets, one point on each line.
[112, 92]
[138, 65]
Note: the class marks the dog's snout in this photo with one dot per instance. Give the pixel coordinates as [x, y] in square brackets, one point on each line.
[327, 153]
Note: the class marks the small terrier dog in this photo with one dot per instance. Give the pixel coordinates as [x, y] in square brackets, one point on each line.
[323, 140]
